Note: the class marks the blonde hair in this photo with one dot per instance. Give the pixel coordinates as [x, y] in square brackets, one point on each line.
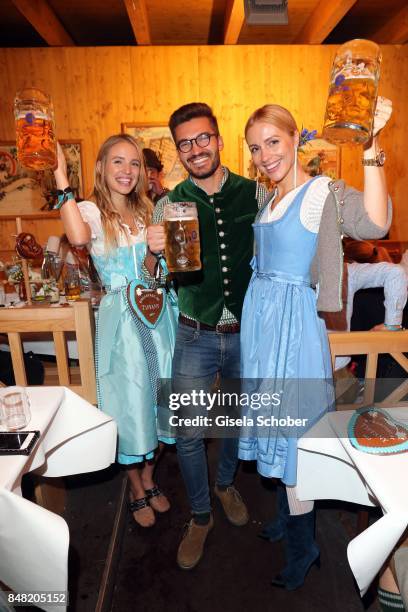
[137, 200]
[275, 115]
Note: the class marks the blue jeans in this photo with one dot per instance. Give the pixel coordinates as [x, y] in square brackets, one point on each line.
[198, 356]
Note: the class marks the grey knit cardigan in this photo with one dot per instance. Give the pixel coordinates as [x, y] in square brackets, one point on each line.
[343, 215]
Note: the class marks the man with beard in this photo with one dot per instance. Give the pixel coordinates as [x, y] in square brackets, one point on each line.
[210, 302]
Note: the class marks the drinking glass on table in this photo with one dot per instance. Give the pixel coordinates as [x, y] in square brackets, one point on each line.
[15, 408]
[72, 281]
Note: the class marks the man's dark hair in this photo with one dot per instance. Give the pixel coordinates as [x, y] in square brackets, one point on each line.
[191, 111]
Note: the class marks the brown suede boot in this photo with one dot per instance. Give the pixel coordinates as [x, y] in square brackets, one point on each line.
[234, 507]
[191, 546]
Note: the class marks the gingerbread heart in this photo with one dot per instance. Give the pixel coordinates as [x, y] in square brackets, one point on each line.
[375, 431]
[146, 304]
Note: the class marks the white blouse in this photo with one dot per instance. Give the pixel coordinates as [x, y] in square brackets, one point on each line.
[311, 208]
[91, 214]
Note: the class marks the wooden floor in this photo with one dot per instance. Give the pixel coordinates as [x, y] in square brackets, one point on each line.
[237, 567]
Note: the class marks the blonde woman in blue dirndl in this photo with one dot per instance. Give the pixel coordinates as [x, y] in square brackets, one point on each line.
[132, 353]
[297, 271]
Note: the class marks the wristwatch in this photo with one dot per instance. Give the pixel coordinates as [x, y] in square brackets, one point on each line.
[378, 160]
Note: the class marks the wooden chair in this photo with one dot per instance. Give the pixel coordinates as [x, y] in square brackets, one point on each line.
[76, 318]
[372, 344]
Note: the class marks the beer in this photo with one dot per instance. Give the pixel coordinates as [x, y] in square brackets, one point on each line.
[182, 244]
[350, 109]
[352, 93]
[72, 291]
[36, 144]
[34, 115]
[182, 236]
[72, 281]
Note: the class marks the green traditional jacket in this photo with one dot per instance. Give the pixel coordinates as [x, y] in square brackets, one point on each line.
[226, 239]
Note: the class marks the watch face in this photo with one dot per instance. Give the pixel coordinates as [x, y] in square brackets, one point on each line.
[381, 158]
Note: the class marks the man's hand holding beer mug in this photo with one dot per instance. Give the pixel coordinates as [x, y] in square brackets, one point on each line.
[178, 236]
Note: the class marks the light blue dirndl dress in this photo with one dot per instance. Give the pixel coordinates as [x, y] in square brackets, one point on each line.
[130, 357]
[284, 346]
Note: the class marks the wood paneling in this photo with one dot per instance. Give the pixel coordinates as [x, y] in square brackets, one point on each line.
[182, 22]
[139, 19]
[234, 20]
[322, 21]
[44, 20]
[96, 89]
[395, 30]
[298, 14]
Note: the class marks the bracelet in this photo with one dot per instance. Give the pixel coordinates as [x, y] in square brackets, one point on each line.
[393, 327]
[63, 195]
[158, 255]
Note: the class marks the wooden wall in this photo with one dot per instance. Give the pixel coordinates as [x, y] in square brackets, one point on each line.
[96, 89]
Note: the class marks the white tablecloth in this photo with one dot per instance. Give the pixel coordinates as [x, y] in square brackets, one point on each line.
[75, 438]
[330, 468]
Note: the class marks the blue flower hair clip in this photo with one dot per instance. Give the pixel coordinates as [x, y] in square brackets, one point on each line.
[306, 136]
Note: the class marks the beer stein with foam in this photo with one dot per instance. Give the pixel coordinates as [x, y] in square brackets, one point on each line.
[352, 93]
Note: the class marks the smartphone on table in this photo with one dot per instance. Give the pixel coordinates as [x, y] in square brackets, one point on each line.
[17, 442]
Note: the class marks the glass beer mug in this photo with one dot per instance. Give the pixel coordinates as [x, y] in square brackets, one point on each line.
[182, 237]
[352, 93]
[34, 115]
[72, 279]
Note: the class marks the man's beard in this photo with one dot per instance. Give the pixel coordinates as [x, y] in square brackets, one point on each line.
[196, 174]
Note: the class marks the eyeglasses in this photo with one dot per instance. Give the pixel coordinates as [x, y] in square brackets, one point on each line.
[202, 140]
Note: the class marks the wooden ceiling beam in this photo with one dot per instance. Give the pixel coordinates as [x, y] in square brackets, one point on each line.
[45, 22]
[394, 31]
[234, 20]
[137, 11]
[322, 21]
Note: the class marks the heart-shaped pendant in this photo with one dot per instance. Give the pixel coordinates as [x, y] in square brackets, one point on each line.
[375, 431]
[147, 304]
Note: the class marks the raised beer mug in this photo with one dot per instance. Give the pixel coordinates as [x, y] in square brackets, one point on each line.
[35, 134]
[182, 237]
[352, 93]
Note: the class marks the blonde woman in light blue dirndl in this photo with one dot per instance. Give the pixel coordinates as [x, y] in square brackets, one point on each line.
[131, 356]
[284, 345]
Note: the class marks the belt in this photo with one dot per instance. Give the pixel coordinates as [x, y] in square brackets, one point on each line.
[221, 328]
[283, 278]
